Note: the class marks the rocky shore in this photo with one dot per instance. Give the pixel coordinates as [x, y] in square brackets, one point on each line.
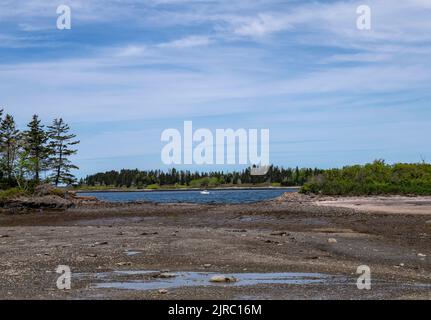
[45, 197]
[119, 250]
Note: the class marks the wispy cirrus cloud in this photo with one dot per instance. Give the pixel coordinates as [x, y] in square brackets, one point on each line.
[187, 42]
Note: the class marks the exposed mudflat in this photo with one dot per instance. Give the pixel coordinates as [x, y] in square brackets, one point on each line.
[295, 247]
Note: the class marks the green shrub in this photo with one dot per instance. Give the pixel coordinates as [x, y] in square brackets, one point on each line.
[10, 194]
[375, 178]
[205, 182]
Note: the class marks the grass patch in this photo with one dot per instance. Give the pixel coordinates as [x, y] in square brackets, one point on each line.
[10, 194]
[153, 187]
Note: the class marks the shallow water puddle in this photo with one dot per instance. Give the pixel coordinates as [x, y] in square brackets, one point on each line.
[132, 253]
[151, 280]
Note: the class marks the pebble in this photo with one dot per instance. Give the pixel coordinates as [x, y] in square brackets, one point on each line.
[166, 275]
[281, 234]
[272, 241]
[421, 255]
[332, 240]
[99, 243]
[207, 265]
[124, 264]
[163, 291]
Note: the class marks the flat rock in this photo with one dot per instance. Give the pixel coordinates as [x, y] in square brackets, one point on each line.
[222, 278]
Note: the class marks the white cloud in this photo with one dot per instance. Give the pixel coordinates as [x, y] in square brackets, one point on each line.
[131, 51]
[188, 42]
[221, 75]
[262, 25]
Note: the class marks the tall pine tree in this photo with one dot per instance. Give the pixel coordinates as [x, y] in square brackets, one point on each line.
[60, 146]
[35, 140]
[9, 143]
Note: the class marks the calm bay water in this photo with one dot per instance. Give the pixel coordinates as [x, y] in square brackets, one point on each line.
[193, 196]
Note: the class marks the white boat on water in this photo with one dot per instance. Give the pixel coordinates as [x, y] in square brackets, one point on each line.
[205, 192]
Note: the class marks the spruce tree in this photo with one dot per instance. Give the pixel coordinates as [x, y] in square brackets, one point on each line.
[9, 142]
[60, 145]
[35, 140]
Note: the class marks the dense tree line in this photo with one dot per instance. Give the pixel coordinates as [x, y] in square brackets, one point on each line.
[36, 155]
[373, 179]
[141, 179]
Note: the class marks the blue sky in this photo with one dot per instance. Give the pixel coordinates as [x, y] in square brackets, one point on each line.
[329, 93]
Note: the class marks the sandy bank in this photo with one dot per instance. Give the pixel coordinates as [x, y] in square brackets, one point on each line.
[380, 204]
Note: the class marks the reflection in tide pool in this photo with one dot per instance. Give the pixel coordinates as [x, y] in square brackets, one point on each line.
[150, 280]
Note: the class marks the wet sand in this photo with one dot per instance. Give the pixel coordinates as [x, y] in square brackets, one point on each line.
[103, 243]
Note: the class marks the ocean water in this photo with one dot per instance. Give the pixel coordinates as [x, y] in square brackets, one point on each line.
[234, 196]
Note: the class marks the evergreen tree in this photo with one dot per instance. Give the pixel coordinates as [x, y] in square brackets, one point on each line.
[9, 142]
[60, 143]
[35, 140]
[23, 169]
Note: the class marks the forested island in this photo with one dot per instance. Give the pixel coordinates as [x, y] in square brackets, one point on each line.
[156, 179]
[369, 179]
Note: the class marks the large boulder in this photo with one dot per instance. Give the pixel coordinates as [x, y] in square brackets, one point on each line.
[49, 202]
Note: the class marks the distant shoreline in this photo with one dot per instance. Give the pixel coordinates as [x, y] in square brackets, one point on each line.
[186, 189]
